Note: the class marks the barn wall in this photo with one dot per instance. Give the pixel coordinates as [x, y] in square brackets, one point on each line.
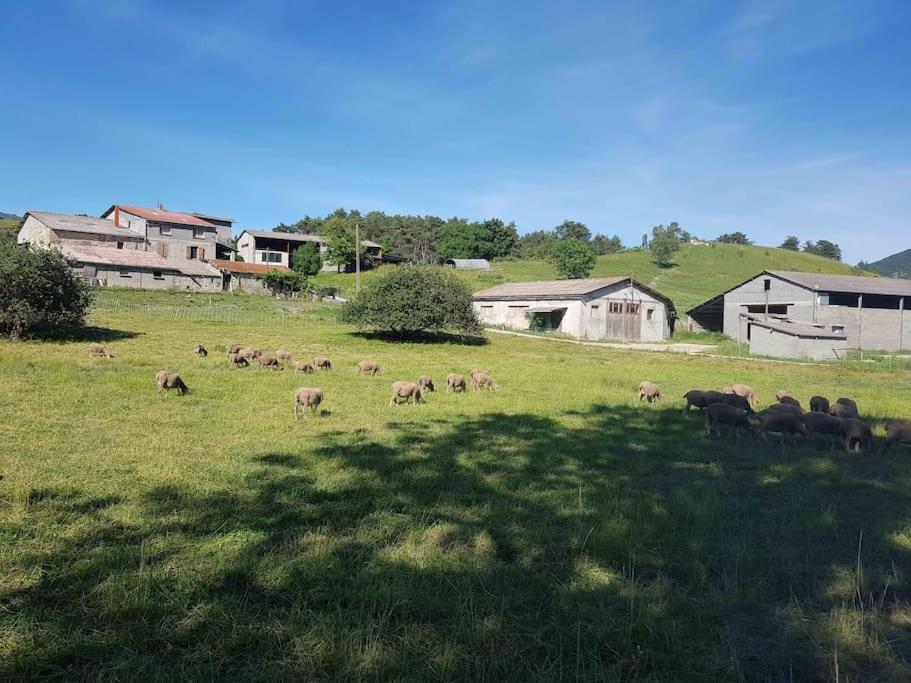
[753, 293]
[141, 278]
[512, 313]
[36, 233]
[766, 342]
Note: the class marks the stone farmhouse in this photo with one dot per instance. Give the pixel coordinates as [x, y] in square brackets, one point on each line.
[275, 248]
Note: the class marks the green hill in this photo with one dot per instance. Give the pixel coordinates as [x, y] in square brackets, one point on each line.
[897, 265]
[8, 228]
[700, 272]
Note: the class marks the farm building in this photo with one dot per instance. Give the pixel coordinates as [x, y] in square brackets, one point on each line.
[238, 276]
[468, 263]
[870, 313]
[109, 267]
[50, 230]
[597, 308]
[782, 339]
[275, 248]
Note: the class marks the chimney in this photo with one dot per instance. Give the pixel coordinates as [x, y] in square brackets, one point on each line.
[117, 216]
[160, 206]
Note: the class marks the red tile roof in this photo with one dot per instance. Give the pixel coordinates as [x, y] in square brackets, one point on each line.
[162, 215]
[249, 268]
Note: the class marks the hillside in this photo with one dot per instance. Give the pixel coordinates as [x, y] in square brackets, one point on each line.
[9, 226]
[897, 265]
[701, 271]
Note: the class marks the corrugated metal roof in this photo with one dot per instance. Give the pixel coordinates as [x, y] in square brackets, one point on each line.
[469, 263]
[549, 288]
[299, 237]
[248, 268]
[796, 329]
[83, 224]
[134, 258]
[850, 284]
[162, 215]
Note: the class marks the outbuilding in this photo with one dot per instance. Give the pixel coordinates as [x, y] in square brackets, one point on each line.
[594, 308]
[784, 339]
[238, 276]
[468, 263]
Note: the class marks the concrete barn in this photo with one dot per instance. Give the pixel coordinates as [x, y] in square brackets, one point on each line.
[869, 313]
[468, 263]
[782, 339]
[272, 247]
[596, 308]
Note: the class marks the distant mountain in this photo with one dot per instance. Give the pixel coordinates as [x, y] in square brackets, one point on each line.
[897, 265]
[8, 215]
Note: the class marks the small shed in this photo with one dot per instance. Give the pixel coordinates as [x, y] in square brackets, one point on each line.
[468, 263]
[239, 276]
[786, 339]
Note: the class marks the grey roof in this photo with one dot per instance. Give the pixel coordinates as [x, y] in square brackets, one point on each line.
[850, 284]
[796, 329]
[561, 289]
[84, 224]
[134, 258]
[298, 237]
[469, 263]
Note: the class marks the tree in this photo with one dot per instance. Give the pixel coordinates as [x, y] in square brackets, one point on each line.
[573, 230]
[340, 248]
[733, 238]
[306, 259]
[39, 293]
[672, 230]
[823, 248]
[663, 249]
[606, 245]
[573, 258]
[283, 283]
[487, 239]
[410, 300]
[535, 244]
[791, 243]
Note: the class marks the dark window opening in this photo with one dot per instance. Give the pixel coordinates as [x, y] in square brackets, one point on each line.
[615, 307]
[632, 309]
[649, 313]
[882, 301]
[157, 274]
[120, 245]
[774, 309]
[767, 284]
[843, 299]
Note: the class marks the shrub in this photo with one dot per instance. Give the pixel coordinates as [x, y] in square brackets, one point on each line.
[306, 260]
[283, 283]
[39, 293]
[410, 300]
[663, 250]
[572, 258]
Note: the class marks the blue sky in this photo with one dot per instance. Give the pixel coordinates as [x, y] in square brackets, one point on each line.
[770, 117]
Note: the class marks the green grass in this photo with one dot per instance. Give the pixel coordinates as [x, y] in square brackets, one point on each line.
[700, 272]
[554, 529]
[9, 227]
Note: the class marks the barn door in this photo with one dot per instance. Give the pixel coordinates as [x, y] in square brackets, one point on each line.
[623, 320]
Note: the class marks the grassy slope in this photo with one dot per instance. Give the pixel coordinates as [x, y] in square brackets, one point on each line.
[552, 529]
[700, 272]
[8, 228]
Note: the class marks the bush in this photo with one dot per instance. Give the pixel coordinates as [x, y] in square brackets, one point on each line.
[410, 300]
[283, 283]
[663, 250]
[306, 260]
[39, 293]
[573, 259]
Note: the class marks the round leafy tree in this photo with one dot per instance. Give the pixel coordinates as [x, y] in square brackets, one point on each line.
[408, 300]
[39, 293]
[573, 259]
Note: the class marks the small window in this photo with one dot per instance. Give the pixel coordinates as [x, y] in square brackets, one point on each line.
[193, 252]
[120, 245]
[615, 307]
[767, 284]
[158, 275]
[649, 313]
[198, 233]
[164, 229]
[125, 273]
[632, 309]
[838, 329]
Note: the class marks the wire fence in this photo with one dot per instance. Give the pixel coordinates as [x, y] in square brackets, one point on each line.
[215, 313]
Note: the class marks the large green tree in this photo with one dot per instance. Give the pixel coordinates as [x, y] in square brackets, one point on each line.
[824, 248]
[573, 258]
[733, 238]
[606, 245]
[791, 243]
[663, 249]
[306, 260]
[573, 230]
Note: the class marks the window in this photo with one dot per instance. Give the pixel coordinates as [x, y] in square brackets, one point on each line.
[843, 299]
[192, 252]
[615, 307]
[164, 229]
[632, 309]
[125, 273]
[838, 329]
[270, 257]
[767, 284]
[158, 275]
[120, 245]
[774, 309]
[649, 313]
[198, 233]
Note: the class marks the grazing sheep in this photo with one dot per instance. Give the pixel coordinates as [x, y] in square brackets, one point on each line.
[250, 353]
[237, 360]
[268, 362]
[823, 423]
[819, 404]
[721, 413]
[857, 435]
[308, 397]
[482, 379]
[303, 366]
[166, 379]
[200, 350]
[283, 355]
[787, 408]
[701, 399]
[408, 391]
[781, 393]
[844, 411]
[455, 382]
[734, 401]
[234, 348]
[426, 383]
[848, 402]
[96, 349]
[369, 367]
[790, 401]
[322, 363]
[783, 422]
[649, 391]
[742, 390]
[896, 432]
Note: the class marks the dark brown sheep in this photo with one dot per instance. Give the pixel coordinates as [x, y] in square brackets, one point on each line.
[455, 382]
[857, 435]
[783, 422]
[649, 391]
[844, 411]
[309, 398]
[790, 400]
[322, 363]
[200, 350]
[701, 399]
[369, 367]
[426, 383]
[96, 349]
[824, 424]
[787, 408]
[848, 402]
[819, 404]
[733, 400]
[896, 432]
[165, 379]
[237, 360]
[269, 362]
[721, 413]
[405, 392]
[742, 390]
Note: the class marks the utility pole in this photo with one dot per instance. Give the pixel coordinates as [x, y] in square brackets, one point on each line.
[357, 258]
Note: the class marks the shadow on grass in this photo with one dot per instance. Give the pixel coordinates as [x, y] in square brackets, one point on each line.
[89, 333]
[424, 338]
[504, 547]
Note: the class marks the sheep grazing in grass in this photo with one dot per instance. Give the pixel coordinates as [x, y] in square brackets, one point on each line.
[200, 350]
[701, 399]
[284, 356]
[426, 383]
[857, 435]
[250, 353]
[790, 401]
[649, 391]
[743, 390]
[96, 349]
[481, 379]
[269, 362]
[789, 408]
[234, 348]
[455, 382]
[303, 366]
[237, 360]
[403, 392]
[368, 367]
[844, 411]
[322, 363]
[819, 404]
[718, 414]
[783, 422]
[308, 398]
[896, 432]
[823, 424]
[781, 393]
[848, 402]
[165, 379]
[734, 401]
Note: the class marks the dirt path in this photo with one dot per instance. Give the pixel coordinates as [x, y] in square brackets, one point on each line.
[672, 347]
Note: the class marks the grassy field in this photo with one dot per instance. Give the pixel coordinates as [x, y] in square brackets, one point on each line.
[700, 272]
[554, 529]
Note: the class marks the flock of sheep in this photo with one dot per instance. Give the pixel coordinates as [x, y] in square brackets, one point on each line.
[734, 407]
[310, 398]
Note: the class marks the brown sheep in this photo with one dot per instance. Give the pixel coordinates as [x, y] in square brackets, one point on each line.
[844, 411]
[284, 356]
[649, 391]
[781, 393]
[896, 432]
[857, 435]
[455, 382]
[237, 360]
[99, 350]
[819, 404]
[369, 367]
[787, 408]
[303, 366]
[701, 399]
[200, 350]
[733, 400]
[742, 390]
[234, 348]
[823, 423]
[269, 362]
[426, 383]
[783, 422]
[790, 401]
[166, 379]
[482, 380]
[720, 413]
[322, 363]
[848, 402]
[308, 397]
[250, 353]
[409, 391]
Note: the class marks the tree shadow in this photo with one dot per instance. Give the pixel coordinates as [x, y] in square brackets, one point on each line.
[423, 338]
[89, 333]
